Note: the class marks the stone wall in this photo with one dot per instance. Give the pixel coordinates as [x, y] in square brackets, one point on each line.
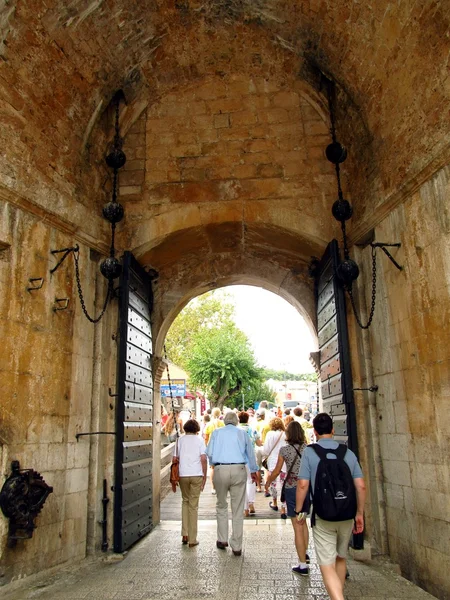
[48, 374]
[410, 356]
[227, 150]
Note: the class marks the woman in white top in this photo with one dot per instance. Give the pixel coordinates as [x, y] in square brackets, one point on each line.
[193, 465]
[275, 439]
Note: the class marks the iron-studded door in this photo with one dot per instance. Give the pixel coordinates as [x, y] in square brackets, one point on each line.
[335, 370]
[133, 472]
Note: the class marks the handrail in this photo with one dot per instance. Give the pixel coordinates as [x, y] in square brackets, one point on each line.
[167, 450]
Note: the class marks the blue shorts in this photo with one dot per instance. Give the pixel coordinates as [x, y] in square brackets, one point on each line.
[290, 494]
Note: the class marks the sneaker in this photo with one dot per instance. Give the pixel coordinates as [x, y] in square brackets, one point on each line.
[213, 491]
[299, 571]
[308, 560]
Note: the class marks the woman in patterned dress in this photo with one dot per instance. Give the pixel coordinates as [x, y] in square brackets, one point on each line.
[290, 456]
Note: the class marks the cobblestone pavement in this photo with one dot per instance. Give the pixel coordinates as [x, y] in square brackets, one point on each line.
[159, 566]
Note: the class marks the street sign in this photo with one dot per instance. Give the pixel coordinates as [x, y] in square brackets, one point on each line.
[178, 388]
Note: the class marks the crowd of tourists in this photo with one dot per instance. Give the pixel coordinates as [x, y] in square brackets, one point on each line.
[294, 462]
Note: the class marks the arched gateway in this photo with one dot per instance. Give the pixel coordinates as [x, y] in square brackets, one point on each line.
[224, 118]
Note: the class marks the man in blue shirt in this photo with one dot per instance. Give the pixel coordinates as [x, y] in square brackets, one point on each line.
[229, 450]
[331, 538]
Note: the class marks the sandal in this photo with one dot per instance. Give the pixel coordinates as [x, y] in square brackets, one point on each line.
[272, 506]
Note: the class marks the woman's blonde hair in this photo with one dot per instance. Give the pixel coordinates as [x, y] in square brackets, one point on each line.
[215, 413]
[277, 424]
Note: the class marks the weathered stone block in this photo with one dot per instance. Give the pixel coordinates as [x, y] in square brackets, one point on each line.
[77, 480]
[286, 100]
[221, 121]
[243, 117]
[397, 472]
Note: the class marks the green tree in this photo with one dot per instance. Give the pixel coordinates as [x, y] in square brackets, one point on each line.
[201, 315]
[222, 363]
[286, 376]
[256, 392]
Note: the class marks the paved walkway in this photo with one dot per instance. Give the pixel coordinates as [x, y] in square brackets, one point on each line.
[159, 566]
[171, 506]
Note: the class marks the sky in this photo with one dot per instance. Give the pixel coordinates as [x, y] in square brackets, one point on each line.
[278, 333]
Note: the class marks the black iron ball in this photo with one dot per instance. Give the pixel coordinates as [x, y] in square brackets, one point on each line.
[336, 153]
[110, 268]
[113, 212]
[116, 159]
[342, 210]
[348, 272]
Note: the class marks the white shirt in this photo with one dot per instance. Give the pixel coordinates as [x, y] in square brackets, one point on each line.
[190, 449]
[273, 442]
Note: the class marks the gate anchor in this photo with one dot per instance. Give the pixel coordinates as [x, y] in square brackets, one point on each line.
[372, 388]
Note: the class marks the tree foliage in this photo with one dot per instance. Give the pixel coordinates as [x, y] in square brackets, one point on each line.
[286, 376]
[222, 363]
[203, 314]
[253, 394]
[205, 341]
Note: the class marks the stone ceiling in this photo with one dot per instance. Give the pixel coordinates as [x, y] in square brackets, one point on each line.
[62, 62]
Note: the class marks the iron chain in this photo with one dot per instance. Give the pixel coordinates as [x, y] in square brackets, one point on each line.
[374, 294]
[80, 293]
[170, 391]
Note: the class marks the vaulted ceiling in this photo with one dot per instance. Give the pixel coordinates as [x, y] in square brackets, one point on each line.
[62, 62]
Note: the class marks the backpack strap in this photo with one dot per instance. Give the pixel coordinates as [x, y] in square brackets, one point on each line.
[320, 451]
[341, 451]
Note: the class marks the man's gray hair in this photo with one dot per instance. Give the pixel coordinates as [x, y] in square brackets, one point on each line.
[231, 418]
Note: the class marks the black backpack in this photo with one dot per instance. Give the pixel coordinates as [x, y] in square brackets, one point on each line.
[334, 494]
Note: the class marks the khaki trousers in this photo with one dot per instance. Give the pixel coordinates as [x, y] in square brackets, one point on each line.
[190, 490]
[232, 479]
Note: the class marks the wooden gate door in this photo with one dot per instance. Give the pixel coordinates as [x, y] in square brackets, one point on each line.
[335, 370]
[134, 413]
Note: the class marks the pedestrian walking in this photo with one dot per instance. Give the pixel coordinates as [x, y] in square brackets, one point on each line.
[191, 452]
[250, 496]
[275, 439]
[330, 466]
[170, 428]
[213, 424]
[290, 456]
[230, 450]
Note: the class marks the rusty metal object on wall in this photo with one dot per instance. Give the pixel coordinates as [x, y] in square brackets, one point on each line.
[21, 499]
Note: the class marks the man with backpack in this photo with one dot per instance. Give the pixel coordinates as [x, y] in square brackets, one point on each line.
[332, 472]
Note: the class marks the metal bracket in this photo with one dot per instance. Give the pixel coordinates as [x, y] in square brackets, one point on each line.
[78, 435]
[61, 304]
[66, 252]
[110, 394]
[383, 246]
[34, 280]
[372, 388]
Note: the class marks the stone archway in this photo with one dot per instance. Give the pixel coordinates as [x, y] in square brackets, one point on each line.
[294, 292]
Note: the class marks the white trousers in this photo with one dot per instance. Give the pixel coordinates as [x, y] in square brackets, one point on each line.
[250, 496]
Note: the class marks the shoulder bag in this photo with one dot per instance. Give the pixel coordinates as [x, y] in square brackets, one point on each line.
[175, 469]
[265, 464]
[282, 495]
